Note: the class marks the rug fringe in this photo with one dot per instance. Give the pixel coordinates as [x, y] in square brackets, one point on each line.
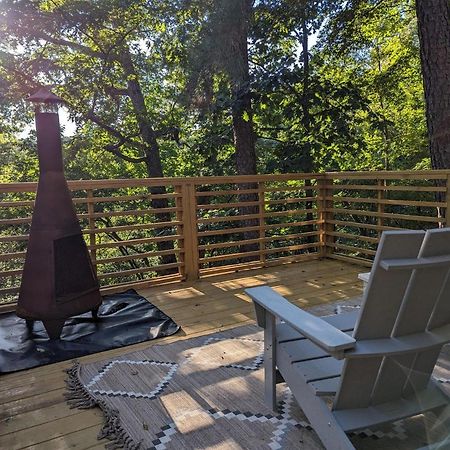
[77, 396]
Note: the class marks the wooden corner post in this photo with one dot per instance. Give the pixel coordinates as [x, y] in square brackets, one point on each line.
[324, 205]
[188, 231]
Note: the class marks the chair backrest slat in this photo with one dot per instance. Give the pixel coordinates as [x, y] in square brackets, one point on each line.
[385, 290]
[425, 286]
[381, 303]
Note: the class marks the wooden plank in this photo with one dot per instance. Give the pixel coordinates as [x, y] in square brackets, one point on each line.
[227, 219]
[14, 238]
[291, 248]
[137, 241]
[57, 428]
[230, 244]
[9, 290]
[11, 273]
[122, 198]
[356, 237]
[363, 225]
[211, 259]
[293, 224]
[289, 200]
[365, 187]
[291, 212]
[353, 248]
[382, 201]
[139, 256]
[216, 206]
[124, 273]
[138, 227]
[83, 439]
[227, 231]
[257, 264]
[358, 212]
[16, 221]
[134, 213]
[190, 232]
[228, 192]
[352, 260]
[17, 203]
[390, 174]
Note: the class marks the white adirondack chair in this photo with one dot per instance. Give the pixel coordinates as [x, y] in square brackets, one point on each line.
[376, 362]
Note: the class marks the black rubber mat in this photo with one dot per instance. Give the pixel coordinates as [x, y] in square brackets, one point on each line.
[123, 319]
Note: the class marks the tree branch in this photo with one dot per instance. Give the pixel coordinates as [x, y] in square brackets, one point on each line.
[114, 149]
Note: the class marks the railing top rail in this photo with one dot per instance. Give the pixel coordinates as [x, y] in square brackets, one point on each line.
[167, 181]
[391, 174]
[236, 179]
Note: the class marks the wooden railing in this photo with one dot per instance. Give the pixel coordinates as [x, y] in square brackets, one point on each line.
[147, 231]
[361, 205]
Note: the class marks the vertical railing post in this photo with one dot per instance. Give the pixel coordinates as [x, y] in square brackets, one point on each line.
[179, 203]
[262, 223]
[447, 201]
[380, 206]
[189, 232]
[91, 224]
[323, 205]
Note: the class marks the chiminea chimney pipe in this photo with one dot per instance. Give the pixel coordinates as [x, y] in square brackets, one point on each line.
[49, 143]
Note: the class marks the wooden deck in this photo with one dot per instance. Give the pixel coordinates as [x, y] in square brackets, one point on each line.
[33, 413]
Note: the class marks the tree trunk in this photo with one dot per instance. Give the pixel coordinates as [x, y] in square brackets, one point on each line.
[153, 157]
[244, 136]
[434, 34]
[307, 157]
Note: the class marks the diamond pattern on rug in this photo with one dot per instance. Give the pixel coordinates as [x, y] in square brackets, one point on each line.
[155, 374]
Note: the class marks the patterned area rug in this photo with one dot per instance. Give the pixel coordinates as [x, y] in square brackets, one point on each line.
[207, 392]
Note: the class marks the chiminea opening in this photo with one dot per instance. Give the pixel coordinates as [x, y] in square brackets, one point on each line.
[58, 278]
[70, 257]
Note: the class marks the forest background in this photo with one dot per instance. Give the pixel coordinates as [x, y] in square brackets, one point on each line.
[215, 87]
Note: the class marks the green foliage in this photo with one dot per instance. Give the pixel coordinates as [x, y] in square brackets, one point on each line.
[334, 86]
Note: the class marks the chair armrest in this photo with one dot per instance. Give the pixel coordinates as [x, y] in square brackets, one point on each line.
[314, 328]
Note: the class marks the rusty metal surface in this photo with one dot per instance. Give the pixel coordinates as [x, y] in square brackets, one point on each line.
[58, 278]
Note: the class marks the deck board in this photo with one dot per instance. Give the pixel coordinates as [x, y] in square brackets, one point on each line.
[33, 413]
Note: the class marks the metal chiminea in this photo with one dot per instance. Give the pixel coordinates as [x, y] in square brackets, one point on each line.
[58, 277]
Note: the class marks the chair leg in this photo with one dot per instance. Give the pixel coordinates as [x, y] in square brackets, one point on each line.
[270, 390]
